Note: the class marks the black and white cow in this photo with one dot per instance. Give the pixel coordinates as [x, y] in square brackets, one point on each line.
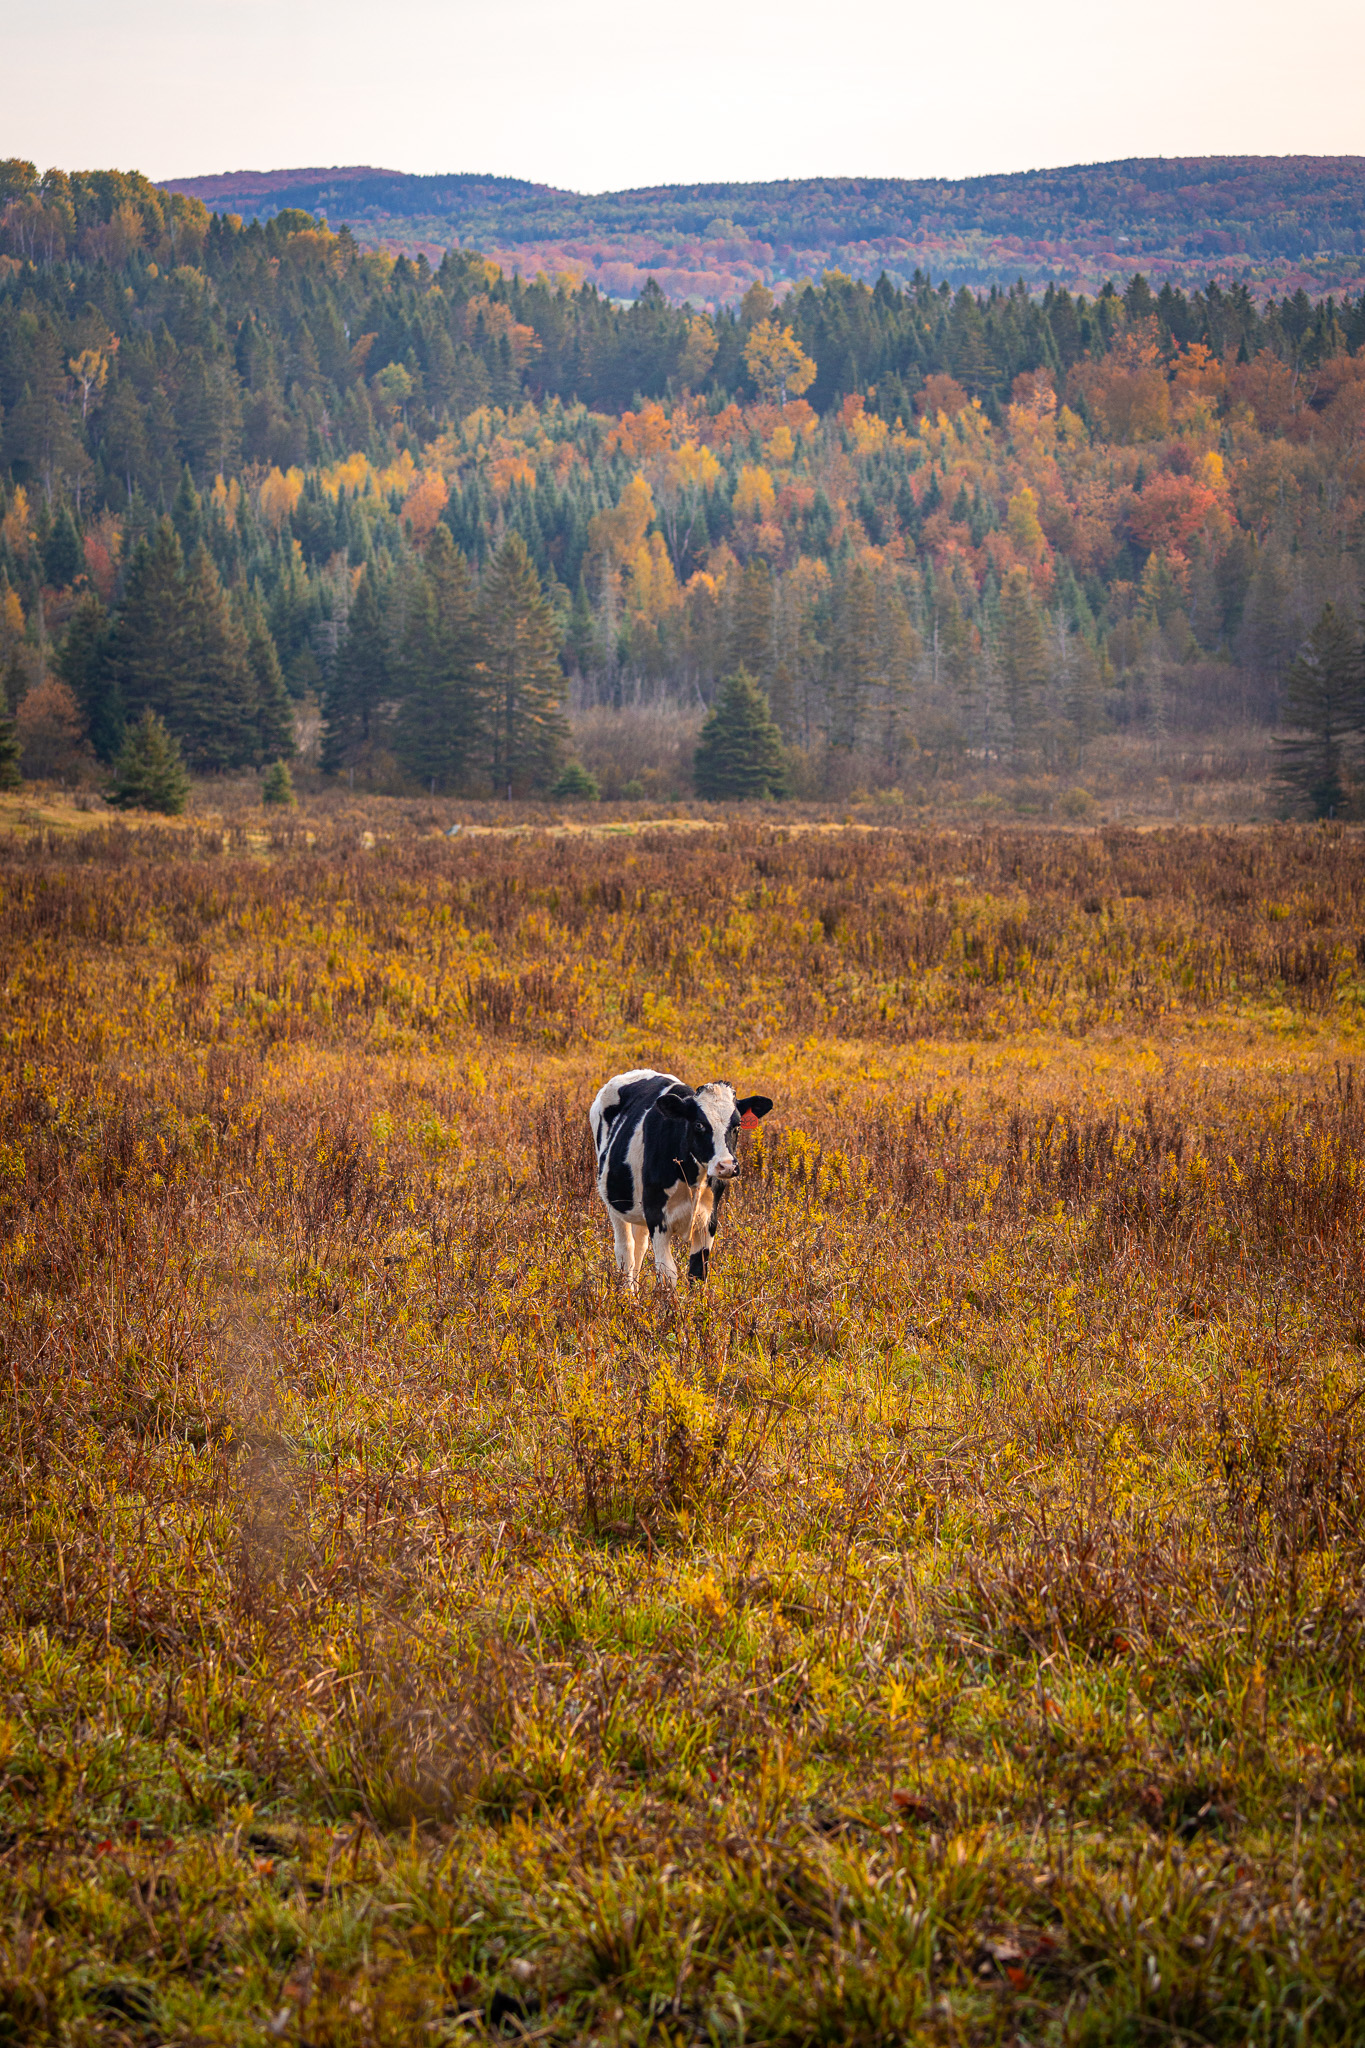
[665, 1155]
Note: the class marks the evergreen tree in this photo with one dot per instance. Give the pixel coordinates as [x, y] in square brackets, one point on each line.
[274, 714]
[751, 624]
[442, 737]
[1022, 646]
[360, 680]
[83, 665]
[10, 776]
[187, 514]
[1325, 707]
[1084, 685]
[739, 752]
[213, 707]
[149, 774]
[576, 783]
[63, 555]
[522, 635]
[854, 668]
[958, 655]
[277, 785]
[145, 656]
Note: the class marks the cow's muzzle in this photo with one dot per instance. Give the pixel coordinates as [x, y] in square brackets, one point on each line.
[727, 1169]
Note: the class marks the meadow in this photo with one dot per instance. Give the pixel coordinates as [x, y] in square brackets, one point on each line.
[944, 1627]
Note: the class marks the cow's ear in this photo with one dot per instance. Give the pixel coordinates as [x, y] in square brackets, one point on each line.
[676, 1101]
[751, 1108]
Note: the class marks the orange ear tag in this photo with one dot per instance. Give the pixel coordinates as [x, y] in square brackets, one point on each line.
[748, 1122]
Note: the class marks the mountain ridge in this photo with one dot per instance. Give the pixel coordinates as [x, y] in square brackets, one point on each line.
[1273, 223]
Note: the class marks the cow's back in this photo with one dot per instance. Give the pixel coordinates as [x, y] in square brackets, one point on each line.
[617, 1114]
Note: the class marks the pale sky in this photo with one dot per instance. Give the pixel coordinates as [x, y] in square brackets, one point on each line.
[604, 94]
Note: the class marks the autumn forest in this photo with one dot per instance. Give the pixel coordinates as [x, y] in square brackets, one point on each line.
[419, 522]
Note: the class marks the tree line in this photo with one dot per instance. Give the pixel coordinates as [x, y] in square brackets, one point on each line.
[246, 468]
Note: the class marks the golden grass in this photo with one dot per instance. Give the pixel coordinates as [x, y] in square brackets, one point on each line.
[945, 1626]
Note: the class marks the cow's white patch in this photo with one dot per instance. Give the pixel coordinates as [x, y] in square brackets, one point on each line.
[717, 1099]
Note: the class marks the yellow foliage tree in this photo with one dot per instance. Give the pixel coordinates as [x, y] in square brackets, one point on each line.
[14, 527]
[642, 433]
[1022, 525]
[777, 362]
[425, 503]
[653, 588]
[279, 494]
[681, 478]
[90, 369]
[615, 535]
[699, 352]
[755, 497]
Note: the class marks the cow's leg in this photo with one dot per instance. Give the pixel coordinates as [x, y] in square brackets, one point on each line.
[627, 1248]
[639, 1245]
[703, 1240]
[704, 1220]
[664, 1262]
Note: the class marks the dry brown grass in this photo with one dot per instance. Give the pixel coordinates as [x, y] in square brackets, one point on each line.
[946, 1626]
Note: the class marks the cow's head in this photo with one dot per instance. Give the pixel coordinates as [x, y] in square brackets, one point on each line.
[714, 1119]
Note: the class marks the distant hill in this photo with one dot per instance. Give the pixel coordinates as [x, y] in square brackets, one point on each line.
[1275, 223]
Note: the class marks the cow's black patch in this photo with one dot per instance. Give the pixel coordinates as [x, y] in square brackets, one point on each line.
[620, 1186]
[698, 1263]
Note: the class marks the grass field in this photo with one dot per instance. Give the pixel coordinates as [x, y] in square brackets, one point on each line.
[944, 1627]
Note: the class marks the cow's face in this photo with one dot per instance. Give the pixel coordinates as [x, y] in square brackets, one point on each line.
[715, 1120]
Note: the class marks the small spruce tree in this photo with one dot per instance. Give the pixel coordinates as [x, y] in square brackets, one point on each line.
[739, 752]
[63, 555]
[575, 782]
[149, 774]
[277, 785]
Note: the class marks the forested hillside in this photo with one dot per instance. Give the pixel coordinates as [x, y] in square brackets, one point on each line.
[247, 468]
[1273, 223]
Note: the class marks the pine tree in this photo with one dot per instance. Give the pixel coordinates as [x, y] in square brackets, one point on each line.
[360, 681]
[277, 785]
[751, 623]
[63, 555]
[187, 514]
[443, 735]
[959, 661]
[522, 635]
[149, 774]
[1023, 653]
[274, 713]
[146, 647]
[213, 707]
[854, 669]
[83, 665]
[576, 783]
[1324, 706]
[739, 752]
[10, 775]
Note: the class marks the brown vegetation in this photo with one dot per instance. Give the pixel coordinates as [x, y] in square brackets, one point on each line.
[944, 1627]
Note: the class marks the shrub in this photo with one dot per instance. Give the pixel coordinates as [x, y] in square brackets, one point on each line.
[649, 745]
[149, 774]
[51, 732]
